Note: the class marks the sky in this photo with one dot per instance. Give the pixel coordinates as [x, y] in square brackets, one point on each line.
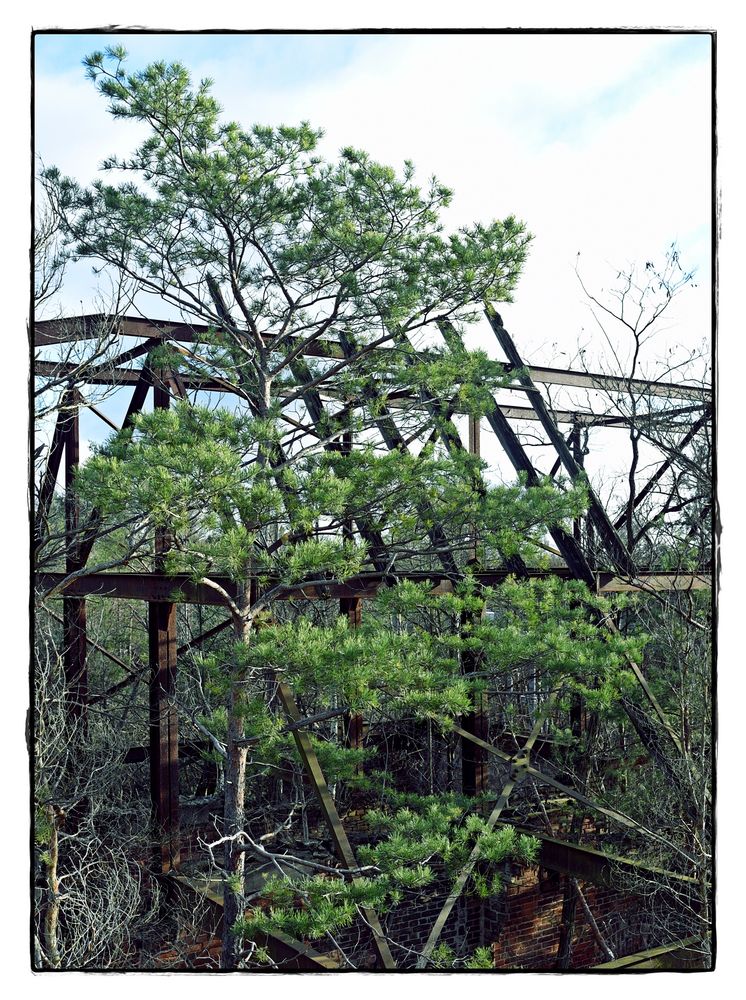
[602, 146]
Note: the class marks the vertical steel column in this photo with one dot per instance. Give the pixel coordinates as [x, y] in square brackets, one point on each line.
[475, 448]
[164, 723]
[74, 609]
[352, 608]
[577, 454]
[474, 764]
[577, 709]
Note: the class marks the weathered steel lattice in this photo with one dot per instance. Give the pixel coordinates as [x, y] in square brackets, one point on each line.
[609, 568]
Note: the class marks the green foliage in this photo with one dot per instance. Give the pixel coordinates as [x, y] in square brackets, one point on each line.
[354, 228]
[43, 828]
[364, 666]
[275, 249]
[481, 959]
[442, 956]
[398, 864]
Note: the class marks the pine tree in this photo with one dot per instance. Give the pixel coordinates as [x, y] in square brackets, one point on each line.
[321, 282]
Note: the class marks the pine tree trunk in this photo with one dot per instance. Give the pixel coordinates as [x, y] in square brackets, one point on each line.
[233, 814]
[52, 913]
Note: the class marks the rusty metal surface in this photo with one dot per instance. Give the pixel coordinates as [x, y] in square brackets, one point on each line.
[572, 793]
[595, 866]
[688, 953]
[180, 588]
[164, 732]
[48, 332]
[74, 642]
[613, 544]
[117, 376]
[49, 479]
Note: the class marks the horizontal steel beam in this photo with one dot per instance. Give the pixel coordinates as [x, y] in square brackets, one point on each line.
[48, 332]
[182, 589]
[686, 954]
[187, 751]
[130, 376]
[608, 583]
[613, 383]
[138, 587]
[595, 866]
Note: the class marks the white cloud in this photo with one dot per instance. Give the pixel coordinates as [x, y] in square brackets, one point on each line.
[600, 143]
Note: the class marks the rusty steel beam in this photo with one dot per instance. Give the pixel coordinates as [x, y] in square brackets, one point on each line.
[613, 383]
[164, 718]
[354, 727]
[102, 416]
[394, 441]
[685, 954]
[474, 761]
[608, 536]
[134, 673]
[547, 779]
[180, 588]
[124, 377]
[49, 332]
[198, 640]
[595, 866]
[90, 532]
[164, 733]
[187, 751]
[134, 679]
[329, 810]
[54, 459]
[139, 587]
[611, 540]
[608, 583]
[164, 736]
[73, 608]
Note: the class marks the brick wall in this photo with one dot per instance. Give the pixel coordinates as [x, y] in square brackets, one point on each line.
[522, 924]
[409, 924]
[531, 916]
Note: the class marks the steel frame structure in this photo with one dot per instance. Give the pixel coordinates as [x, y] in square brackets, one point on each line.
[162, 592]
